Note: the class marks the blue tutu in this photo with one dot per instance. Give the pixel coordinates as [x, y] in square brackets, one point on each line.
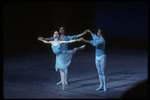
[63, 57]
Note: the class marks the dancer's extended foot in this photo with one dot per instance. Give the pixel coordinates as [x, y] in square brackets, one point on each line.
[61, 83]
[82, 47]
[100, 87]
[79, 48]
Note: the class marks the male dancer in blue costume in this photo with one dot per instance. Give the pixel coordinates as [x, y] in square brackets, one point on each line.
[63, 37]
[62, 62]
[100, 57]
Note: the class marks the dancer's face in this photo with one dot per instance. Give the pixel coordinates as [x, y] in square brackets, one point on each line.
[56, 34]
[61, 30]
[99, 32]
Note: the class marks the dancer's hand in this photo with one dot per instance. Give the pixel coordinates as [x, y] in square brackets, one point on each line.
[40, 38]
[88, 30]
[80, 39]
[85, 31]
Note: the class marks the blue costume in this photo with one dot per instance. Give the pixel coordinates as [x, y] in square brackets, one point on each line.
[63, 57]
[64, 47]
[100, 58]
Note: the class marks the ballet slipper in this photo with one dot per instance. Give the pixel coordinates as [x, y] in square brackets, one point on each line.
[82, 47]
[99, 88]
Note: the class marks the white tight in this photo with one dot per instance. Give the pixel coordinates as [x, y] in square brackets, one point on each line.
[100, 64]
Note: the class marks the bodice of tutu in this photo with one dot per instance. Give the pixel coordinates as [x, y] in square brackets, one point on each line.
[57, 49]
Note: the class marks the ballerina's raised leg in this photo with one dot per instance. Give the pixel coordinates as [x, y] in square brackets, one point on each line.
[79, 48]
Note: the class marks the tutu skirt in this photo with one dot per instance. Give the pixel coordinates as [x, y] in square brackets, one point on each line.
[63, 60]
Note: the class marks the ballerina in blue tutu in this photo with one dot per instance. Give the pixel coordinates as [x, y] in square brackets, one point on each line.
[63, 57]
[64, 37]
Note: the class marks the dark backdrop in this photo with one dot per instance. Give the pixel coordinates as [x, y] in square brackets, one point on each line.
[125, 23]
[23, 22]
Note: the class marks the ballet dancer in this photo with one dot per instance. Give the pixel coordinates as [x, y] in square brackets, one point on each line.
[100, 57]
[63, 37]
[62, 61]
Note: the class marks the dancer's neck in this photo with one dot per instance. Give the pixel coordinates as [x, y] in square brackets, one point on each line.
[62, 35]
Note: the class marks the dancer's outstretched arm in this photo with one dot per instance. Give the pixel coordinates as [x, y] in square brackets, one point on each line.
[94, 43]
[89, 32]
[87, 41]
[45, 38]
[71, 41]
[41, 39]
[79, 35]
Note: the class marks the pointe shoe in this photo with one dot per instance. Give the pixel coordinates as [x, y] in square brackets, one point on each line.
[99, 88]
[82, 47]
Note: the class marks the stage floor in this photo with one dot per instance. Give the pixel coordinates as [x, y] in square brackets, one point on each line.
[34, 76]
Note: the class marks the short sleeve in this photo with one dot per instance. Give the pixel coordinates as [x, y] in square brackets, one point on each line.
[95, 37]
[91, 42]
[52, 38]
[94, 43]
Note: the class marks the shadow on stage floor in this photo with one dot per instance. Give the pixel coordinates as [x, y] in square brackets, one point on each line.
[34, 76]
